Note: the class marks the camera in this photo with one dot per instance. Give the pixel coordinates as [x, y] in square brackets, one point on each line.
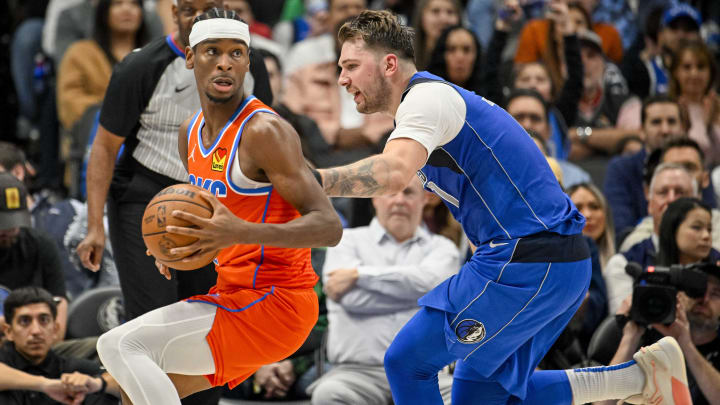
[655, 289]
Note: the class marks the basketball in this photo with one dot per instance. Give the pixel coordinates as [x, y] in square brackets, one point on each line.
[158, 215]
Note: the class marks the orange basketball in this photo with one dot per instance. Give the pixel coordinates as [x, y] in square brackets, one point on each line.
[158, 215]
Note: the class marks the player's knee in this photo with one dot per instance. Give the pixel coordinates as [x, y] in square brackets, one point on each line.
[108, 346]
[395, 360]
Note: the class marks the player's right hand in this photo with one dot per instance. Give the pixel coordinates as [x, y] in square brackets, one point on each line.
[163, 269]
[90, 250]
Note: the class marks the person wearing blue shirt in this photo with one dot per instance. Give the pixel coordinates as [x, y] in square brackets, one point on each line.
[506, 306]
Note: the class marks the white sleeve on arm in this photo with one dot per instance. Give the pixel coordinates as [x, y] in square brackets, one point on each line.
[431, 113]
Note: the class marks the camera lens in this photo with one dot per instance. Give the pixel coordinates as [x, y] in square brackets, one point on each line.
[655, 308]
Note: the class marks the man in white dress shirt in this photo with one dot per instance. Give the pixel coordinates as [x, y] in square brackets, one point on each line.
[373, 280]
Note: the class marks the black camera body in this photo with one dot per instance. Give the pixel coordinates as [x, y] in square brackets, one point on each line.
[655, 290]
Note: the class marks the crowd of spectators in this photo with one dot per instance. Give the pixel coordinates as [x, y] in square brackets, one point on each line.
[621, 96]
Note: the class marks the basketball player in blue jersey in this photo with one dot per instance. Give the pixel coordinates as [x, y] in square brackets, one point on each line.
[501, 313]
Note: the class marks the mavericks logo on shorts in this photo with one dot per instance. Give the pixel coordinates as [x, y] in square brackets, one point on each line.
[218, 159]
[470, 331]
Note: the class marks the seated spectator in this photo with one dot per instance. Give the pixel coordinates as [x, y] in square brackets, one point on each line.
[31, 372]
[607, 113]
[693, 76]
[685, 238]
[590, 201]
[456, 58]
[542, 39]
[311, 87]
[65, 221]
[562, 95]
[665, 31]
[76, 22]
[314, 146]
[430, 19]
[662, 120]
[530, 111]
[373, 280]
[670, 181]
[28, 257]
[85, 69]
[687, 153]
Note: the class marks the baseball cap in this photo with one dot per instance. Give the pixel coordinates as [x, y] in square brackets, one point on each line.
[13, 203]
[681, 10]
[589, 38]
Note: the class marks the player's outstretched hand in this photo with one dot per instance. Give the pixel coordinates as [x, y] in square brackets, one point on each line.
[163, 269]
[221, 230]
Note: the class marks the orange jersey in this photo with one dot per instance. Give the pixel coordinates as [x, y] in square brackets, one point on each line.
[217, 170]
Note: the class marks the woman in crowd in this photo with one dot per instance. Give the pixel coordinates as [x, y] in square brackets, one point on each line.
[562, 106]
[685, 233]
[693, 74]
[590, 201]
[430, 19]
[535, 74]
[85, 70]
[456, 58]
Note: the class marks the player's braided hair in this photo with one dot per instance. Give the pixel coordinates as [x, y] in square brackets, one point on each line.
[380, 30]
[216, 12]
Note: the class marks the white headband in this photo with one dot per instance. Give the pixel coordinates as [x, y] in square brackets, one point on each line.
[219, 28]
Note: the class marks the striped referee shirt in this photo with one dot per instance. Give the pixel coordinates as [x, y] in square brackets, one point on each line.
[150, 94]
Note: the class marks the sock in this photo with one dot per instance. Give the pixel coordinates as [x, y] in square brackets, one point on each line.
[603, 383]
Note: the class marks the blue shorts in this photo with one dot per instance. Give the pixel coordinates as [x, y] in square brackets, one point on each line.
[508, 304]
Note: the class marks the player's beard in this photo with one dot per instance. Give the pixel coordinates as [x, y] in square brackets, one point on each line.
[377, 96]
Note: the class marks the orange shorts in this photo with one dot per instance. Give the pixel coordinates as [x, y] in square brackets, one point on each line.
[255, 327]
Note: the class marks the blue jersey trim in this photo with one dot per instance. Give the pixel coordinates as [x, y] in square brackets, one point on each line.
[228, 177]
[179, 52]
[262, 247]
[272, 289]
[206, 152]
[603, 369]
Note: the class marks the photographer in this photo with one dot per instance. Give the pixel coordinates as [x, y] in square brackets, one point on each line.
[685, 239]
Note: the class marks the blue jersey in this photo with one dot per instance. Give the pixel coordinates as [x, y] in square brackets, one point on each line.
[493, 177]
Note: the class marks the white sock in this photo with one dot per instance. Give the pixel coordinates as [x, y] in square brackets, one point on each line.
[603, 383]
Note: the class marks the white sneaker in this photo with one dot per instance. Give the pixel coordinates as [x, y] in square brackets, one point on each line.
[665, 378]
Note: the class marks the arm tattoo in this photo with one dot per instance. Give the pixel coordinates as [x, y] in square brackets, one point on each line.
[366, 178]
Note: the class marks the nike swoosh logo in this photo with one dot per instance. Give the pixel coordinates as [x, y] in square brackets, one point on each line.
[181, 89]
[494, 245]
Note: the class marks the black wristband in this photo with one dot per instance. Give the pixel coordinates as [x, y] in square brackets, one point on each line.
[103, 387]
[621, 320]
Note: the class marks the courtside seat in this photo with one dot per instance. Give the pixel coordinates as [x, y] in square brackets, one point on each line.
[95, 312]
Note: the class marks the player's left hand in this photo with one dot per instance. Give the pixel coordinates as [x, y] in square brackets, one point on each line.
[339, 282]
[221, 230]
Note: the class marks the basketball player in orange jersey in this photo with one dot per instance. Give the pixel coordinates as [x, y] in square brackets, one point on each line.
[268, 211]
